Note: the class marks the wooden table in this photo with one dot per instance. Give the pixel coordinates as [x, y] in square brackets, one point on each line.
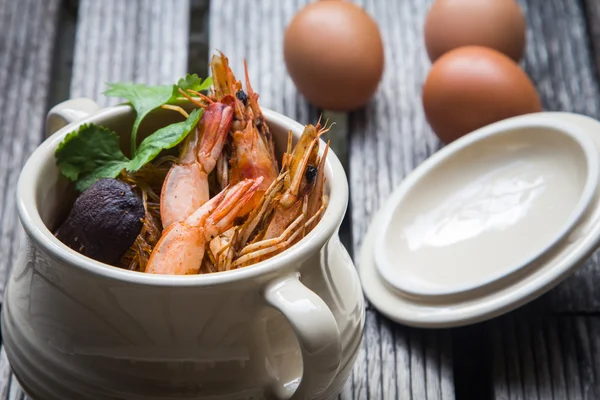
[550, 349]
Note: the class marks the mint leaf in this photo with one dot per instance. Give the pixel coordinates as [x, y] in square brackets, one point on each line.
[143, 99]
[90, 153]
[164, 138]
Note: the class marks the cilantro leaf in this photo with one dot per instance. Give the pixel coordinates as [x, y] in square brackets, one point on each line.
[193, 82]
[93, 151]
[143, 99]
[90, 153]
[164, 138]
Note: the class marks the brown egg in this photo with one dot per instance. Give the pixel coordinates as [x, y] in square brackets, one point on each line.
[498, 24]
[473, 86]
[334, 54]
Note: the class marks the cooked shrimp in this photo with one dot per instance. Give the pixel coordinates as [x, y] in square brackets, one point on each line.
[252, 148]
[226, 246]
[186, 186]
[225, 84]
[300, 182]
[181, 248]
[222, 250]
[291, 206]
[250, 158]
[259, 119]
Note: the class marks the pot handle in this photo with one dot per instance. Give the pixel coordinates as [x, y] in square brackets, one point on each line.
[69, 111]
[316, 330]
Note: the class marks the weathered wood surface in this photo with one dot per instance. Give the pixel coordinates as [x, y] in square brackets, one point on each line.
[592, 12]
[561, 64]
[538, 356]
[547, 350]
[259, 40]
[136, 40]
[26, 53]
[390, 137]
[550, 349]
[387, 140]
[25, 67]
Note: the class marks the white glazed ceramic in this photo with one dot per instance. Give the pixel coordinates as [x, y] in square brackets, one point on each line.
[569, 241]
[75, 328]
[512, 190]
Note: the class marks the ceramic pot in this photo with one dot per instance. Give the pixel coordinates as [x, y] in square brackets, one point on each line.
[75, 328]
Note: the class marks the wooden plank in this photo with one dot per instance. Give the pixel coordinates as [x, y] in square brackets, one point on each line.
[539, 351]
[259, 40]
[5, 375]
[26, 48]
[25, 66]
[199, 42]
[388, 139]
[592, 14]
[137, 40]
[545, 356]
[559, 61]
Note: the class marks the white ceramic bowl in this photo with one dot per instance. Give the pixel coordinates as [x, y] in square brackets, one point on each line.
[75, 328]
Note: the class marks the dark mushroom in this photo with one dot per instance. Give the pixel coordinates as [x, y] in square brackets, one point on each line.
[104, 221]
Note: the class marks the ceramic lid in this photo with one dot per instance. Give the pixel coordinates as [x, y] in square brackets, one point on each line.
[487, 223]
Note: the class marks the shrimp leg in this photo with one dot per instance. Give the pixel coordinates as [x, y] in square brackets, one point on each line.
[274, 246]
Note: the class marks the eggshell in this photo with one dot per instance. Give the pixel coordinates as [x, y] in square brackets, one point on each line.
[472, 86]
[498, 24]
[334, 54]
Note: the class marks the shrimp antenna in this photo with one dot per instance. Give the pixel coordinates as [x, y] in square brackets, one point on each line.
[187, 96]
[325, 129]
[247, 76]
[289, 143]
[202, 96]
[288, 154]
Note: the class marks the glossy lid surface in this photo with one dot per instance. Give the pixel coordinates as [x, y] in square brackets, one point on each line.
[485, 207]
[510, 221]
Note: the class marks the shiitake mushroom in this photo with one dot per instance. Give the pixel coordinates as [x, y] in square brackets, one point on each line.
[104, 221]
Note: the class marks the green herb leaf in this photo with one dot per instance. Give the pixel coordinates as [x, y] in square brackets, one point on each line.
[90, 153]
[93, 152]
[164, 138]
[143, 99]
[193, 82]
[111, 169]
